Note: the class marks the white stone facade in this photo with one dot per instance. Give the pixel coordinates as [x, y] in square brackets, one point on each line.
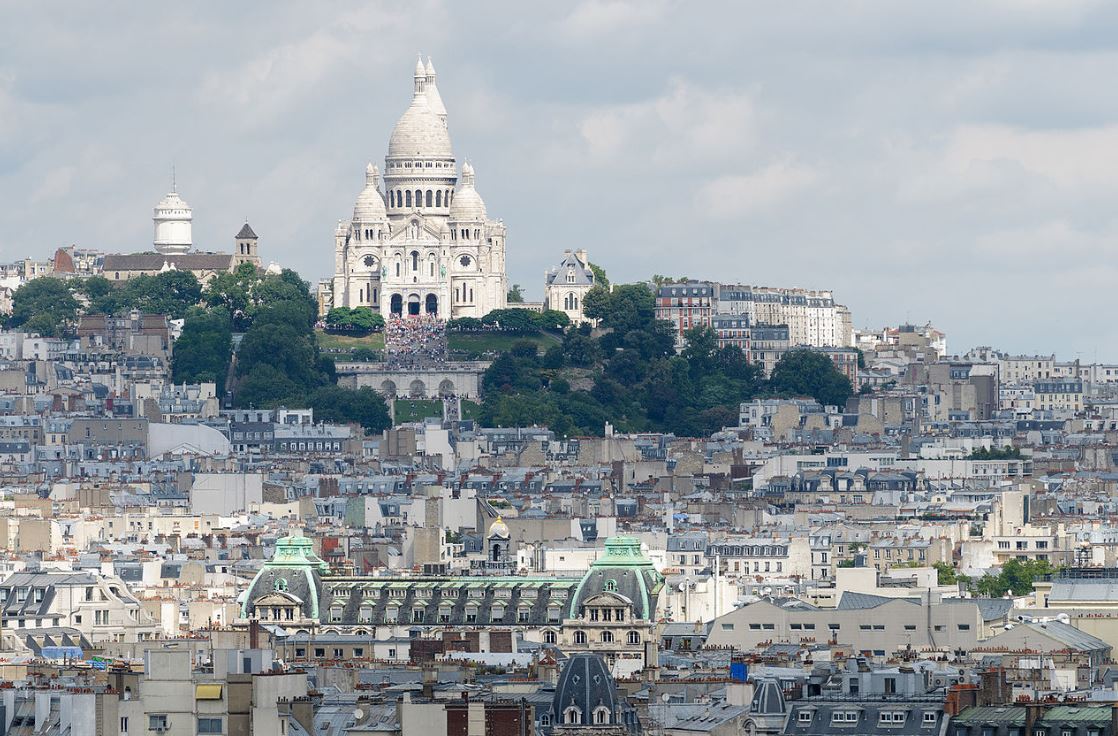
[812, 317]
[423, 243]
[566, 285]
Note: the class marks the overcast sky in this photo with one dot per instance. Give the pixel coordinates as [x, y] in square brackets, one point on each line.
[946, 162]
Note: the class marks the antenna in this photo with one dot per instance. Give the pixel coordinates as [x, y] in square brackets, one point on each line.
[174, 184]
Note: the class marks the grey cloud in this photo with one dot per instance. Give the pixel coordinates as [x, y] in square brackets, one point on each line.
[952, 162]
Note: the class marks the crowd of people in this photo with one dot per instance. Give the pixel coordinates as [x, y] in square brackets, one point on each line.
[412, 342]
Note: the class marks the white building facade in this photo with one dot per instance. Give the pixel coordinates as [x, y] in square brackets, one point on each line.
[422, 243]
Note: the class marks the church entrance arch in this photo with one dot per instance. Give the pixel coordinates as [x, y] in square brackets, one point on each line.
[413, 305]
[432, 304]
[417, 390]
[388, 388]
[446, 388]
[397, 307]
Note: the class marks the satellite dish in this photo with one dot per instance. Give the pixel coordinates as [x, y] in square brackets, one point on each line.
[358, 714]
[666, 697]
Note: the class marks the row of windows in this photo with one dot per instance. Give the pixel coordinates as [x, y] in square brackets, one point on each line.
[606, 637]
[421, 164]
[430, 198]
[836, 627]
[885, 717]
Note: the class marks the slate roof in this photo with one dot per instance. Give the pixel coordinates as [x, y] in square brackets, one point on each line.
[585, 683]
[1069, 635]
[246, 233]
[155, 261]
[583, 276]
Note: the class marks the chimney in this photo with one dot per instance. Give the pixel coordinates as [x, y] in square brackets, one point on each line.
[580, 254]
[992, 688]
[430, 677]
[1033, 713]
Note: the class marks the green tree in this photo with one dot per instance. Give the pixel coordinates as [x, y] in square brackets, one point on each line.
[285, 347]
[266, 386]
[512, 320]
[600, 278]
[626, 307]
[233, 292]
[204, 349]
[363, 406]
[170, 292]
[551, 319]
[358, 319]
[808, 373]
[464, 323]
[700, 350]
[44, 305]
[596, 302]
[95, 287]
[515, 295]
[553, 357]
[946, 573]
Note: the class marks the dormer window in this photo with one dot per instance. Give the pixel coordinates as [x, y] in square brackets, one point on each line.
[572, 715]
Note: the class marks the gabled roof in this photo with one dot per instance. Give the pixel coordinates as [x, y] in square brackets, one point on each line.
[246, 233]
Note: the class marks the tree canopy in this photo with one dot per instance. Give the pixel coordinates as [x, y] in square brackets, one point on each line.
[358, 319]
[808, 373]
[44, 305]
[203, 351]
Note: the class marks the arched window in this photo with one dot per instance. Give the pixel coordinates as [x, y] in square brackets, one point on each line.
[391, 198]
[418, 197]
[408, 198]
[415, 260]
[439, 198]
[429, 197]
[397, 268]
[634, 637]
[601, 715]
[607, 637]
[580, 637]
[572, 715]
[549, 637]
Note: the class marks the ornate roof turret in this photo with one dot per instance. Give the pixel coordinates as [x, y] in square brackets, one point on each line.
[370, 202]
[499, 529]
[431, 91]
[295, 570]
[467, 205]
[626, 571]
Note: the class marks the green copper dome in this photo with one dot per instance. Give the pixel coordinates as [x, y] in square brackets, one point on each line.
[625, 570]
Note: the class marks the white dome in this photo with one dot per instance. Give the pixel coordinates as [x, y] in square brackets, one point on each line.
[175, 204]
[370, 203]
[467, 204]
[419, 132]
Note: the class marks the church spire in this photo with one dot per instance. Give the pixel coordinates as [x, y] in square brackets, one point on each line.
[420, 75]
